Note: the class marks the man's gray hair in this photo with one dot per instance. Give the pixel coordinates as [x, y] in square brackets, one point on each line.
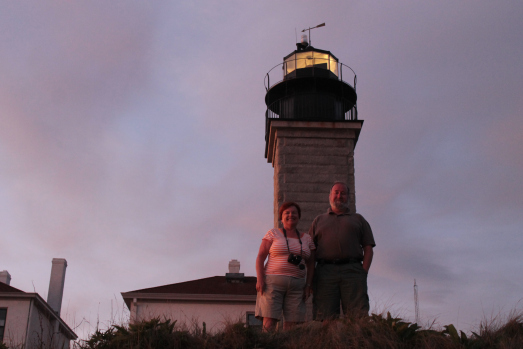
[340, 182]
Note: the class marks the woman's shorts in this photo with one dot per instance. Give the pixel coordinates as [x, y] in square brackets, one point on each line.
[282, 293]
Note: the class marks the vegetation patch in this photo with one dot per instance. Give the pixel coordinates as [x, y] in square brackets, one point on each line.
[375, 331]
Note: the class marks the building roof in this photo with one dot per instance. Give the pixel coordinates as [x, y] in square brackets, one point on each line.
[210, 285]
[9, 292]
[5, 288]
[216, 288]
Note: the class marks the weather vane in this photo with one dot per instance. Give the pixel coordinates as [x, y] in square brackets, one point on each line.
[309, 29]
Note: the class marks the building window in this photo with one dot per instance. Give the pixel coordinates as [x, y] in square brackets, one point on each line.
[3, 314]
[252, 321]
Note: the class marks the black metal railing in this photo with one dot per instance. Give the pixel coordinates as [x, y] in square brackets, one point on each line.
[310, 107]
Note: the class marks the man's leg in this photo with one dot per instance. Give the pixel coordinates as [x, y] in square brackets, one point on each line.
[326, 293]
[353, 288]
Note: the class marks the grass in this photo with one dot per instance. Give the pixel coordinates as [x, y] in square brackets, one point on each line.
[375, 331]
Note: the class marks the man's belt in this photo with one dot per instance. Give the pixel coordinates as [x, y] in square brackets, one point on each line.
[339, 261]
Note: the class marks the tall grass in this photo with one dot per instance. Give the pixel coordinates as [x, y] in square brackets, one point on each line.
[375, 331]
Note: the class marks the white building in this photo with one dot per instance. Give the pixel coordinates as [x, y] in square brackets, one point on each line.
[216, 300]
[27, 321]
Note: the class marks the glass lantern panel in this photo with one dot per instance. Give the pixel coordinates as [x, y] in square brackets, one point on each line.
[321, 60]
[310, 59]
[304, 60]
[333, 65]
[290, 64]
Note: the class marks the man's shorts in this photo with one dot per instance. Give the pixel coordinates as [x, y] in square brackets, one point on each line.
[334, 283]
[282, 293]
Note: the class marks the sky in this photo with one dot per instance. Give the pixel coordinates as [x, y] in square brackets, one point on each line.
[132, 145]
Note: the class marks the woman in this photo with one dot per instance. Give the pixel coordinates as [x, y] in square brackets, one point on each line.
[284, 283]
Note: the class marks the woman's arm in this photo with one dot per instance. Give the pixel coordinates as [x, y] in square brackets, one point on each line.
[311, 263]
[260, 270]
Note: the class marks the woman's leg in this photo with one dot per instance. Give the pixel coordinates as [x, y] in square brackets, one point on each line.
[294, 308]
[269, 304]
[269, 324]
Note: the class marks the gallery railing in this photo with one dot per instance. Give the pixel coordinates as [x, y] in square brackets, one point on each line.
[303, 105]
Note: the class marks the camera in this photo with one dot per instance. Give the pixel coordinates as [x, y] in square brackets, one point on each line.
[296, 260]
[293, 259]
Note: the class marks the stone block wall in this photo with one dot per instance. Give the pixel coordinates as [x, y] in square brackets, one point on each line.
[308, 157]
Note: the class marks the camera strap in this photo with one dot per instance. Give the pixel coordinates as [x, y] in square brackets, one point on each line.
[287, 241]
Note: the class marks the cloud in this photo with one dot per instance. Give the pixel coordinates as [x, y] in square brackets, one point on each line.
[132, 139]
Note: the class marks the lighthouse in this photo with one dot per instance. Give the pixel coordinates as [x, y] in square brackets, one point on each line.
[311, 129]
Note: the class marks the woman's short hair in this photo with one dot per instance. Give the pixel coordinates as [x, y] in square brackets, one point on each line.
[286, 205]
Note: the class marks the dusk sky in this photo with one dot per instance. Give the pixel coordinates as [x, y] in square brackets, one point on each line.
[132, 145]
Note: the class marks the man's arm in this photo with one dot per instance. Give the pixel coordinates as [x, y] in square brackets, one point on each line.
[368, 253]
[312, 231]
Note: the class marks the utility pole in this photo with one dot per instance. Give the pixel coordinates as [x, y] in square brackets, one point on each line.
[416, 302]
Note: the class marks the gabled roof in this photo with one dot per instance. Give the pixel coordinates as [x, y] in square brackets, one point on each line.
[5, 288]
[9, 292]
[210, 285]
[207, 289]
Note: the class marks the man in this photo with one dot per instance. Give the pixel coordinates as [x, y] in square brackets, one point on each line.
[344, 243]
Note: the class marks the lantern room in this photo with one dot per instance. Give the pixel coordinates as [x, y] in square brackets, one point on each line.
[310, 85]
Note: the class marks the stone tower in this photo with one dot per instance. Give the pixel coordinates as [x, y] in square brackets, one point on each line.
[311, 130]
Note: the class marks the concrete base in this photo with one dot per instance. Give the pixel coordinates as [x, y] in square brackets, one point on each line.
[308, 157]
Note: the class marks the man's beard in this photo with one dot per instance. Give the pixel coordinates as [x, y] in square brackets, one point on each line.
[340, 205]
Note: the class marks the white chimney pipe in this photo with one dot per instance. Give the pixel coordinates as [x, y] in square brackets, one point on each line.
[5, 277]
[234, 266]
[304, 39]
[56, 284]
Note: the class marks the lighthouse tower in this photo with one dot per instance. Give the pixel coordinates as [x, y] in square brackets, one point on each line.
[311, 129]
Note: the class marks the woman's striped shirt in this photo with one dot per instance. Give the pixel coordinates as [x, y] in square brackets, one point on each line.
[277, 263]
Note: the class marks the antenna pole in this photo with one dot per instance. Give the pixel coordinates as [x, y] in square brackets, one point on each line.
[416, 302]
